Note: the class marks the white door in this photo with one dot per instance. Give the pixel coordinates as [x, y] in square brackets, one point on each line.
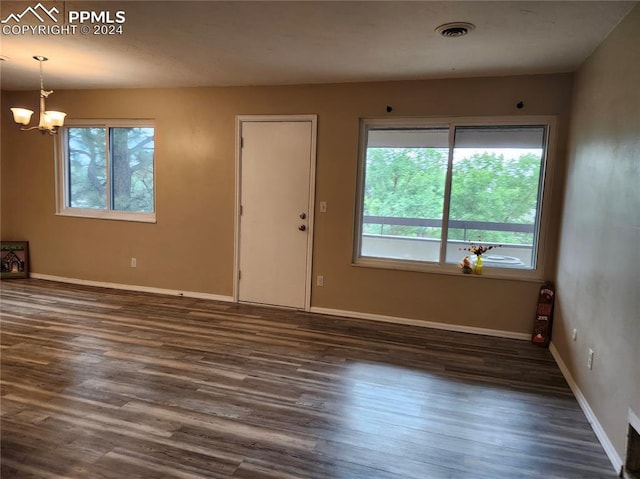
[276, 198]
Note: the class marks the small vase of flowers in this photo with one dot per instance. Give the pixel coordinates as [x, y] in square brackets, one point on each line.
[478, 250]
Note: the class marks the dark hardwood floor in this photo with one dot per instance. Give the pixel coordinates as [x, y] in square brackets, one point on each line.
[99, 383]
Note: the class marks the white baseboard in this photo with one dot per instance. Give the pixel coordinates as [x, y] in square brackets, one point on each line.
[313, 309]
[424, 324]
[131, 287]
[611, 452]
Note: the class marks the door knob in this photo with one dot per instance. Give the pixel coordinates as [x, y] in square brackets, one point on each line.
[302, 227]
[303, 216]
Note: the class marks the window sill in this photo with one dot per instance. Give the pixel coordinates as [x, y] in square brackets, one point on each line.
[108, 215]
[530, 276]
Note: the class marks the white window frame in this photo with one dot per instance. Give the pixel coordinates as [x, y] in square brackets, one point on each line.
[62, 173]
[441, 267]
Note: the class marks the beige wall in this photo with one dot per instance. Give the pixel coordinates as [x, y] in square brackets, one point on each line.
[191, 246]
[599, 258]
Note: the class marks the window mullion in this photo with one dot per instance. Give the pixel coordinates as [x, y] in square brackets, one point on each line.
[444, 235]
[66, 169]
[109, 163]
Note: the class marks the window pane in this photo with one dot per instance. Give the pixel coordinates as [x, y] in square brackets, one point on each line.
[495, 191]
[87, 167]
[132, 165]
[403, 193]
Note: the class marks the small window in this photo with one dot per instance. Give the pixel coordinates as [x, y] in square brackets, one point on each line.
[106, 170]
[427, 190]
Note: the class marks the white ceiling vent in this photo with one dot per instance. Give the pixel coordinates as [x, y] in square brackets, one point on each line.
[455, 29]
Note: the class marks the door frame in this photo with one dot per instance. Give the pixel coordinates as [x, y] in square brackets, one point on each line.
[240, 119]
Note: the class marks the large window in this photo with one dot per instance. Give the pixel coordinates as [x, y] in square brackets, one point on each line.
[427, 190]
[106, 170]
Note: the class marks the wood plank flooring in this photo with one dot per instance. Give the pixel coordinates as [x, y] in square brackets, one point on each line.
[99, 383]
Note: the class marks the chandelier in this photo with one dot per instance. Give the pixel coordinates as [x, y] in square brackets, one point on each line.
[50, 120]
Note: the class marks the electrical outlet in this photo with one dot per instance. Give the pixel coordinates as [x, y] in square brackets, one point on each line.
[574, 334]
[134, 262]
[320, 280]
[590, 359]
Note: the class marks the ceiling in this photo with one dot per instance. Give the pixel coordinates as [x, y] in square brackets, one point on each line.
[215, 43]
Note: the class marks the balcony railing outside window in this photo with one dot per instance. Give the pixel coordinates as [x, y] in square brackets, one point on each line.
[385, 244]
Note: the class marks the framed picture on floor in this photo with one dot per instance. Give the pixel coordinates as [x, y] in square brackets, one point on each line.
[14, 259]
